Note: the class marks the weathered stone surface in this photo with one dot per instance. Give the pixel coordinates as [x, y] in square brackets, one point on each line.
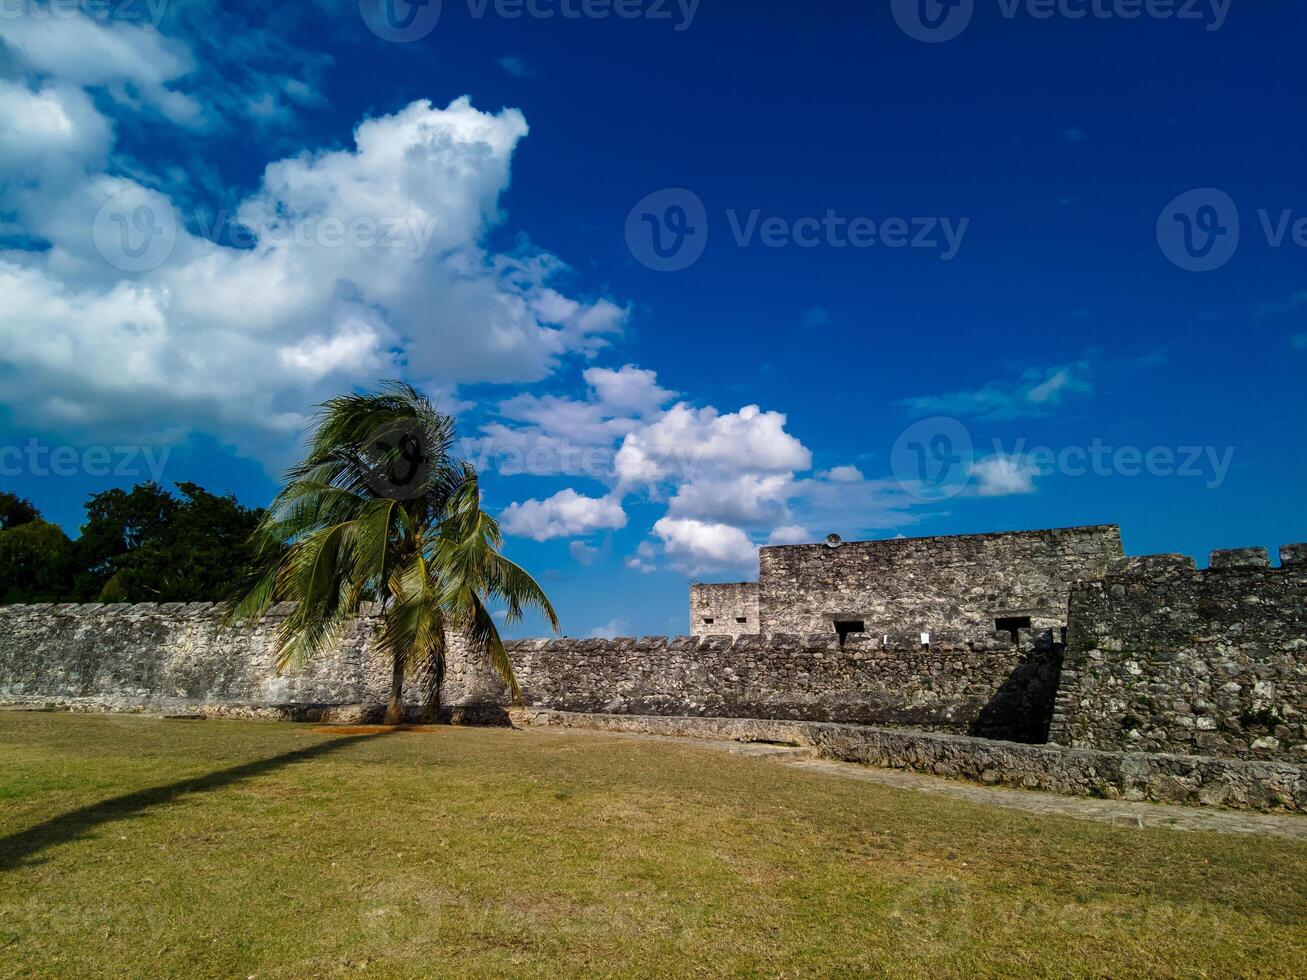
[1159, 778]
[182, 658]
[1162, 657]
[1239, 558]
[987, 684]
[958, 582]
[725, 609]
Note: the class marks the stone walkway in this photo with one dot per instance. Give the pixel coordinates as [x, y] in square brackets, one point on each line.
[1118, 813]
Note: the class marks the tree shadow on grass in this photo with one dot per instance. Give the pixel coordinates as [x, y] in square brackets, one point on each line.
[17, 849]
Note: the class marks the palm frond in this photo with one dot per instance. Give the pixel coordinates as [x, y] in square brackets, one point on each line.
[514, 586]
[483, 637]
[310, 577]
[254, 596]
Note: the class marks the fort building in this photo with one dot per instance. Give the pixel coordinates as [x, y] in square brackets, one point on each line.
[958, 583]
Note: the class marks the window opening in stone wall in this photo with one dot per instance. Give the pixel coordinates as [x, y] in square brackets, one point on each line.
[843, 627]
[1011, 624]
[741, 619]
[707, 621]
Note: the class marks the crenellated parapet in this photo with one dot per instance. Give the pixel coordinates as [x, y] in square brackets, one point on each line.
[915, 642]
[1165, 657]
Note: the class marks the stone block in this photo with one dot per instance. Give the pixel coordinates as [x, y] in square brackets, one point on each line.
[1293, 554]
[1239, 558]
[1155, 566]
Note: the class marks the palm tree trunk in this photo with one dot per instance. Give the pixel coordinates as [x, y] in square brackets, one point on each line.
[435, 687]
[394, 709]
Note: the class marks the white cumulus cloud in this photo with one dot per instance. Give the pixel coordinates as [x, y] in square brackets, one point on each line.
[699, 546]
[730, 480]
[582, 553]
[133, 63]
[843, 474]
[365, 262]
[628, 389]
[614, 628]
[687, 442]
[749, 499]
[1001, 475]
[565, 514]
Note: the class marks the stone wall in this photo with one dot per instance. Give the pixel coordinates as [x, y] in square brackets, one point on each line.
[1162, 657]
[989, 685]
[958, 583]
[726, 609]
[179, 657]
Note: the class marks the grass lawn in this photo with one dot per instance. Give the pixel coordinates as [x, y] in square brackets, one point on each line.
[133, 846]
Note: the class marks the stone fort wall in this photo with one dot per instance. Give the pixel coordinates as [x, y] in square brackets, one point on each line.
[989, 685]
[1162, 657]
[957, 582]
[1111, 775]
[182, 658]
[174, 657]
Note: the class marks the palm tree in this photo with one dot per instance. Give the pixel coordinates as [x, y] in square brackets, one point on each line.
[380, 511]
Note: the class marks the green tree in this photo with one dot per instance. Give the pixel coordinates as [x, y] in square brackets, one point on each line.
[148, 545]
[118, 522]
[380, 511]
[36, 563]
[15, 511]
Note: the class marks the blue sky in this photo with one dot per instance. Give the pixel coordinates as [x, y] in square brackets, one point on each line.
[899, 286]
